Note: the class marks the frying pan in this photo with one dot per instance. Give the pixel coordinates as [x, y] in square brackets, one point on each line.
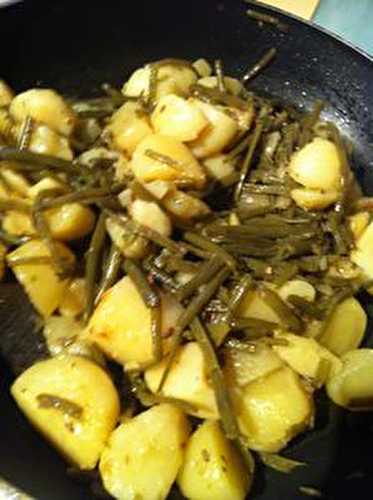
[74, 47]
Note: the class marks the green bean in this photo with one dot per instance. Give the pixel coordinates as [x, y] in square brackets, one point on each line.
[207, 271]
[149, 296]
[246, 455]
[176, 263]
[260, 65]
[261, 17]
[154, 155]
[215, 97]
[264, 189]
[13, 204]
[13, 239]
[239, 292]
[248, 159]
[161, 276]
[152, 90]
[156, 334]
[99, 107]
[220, 75]
[253, 323]
[92, 262]
[279, 307]
[279, 463]
[238, 148]
[205, 244]
[26, 133]
[35, 159]
[116, 95]
[111, 271]
[85, 196]
[304, 307]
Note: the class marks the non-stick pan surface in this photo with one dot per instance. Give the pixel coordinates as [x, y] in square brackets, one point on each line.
[74, 47]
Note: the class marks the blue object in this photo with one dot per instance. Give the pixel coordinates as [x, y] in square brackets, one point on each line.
[353, 20]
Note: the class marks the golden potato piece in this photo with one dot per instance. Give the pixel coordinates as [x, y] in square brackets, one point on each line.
[45, 106]
[212, 468]
[358, 223]
[178, 118]
[144, 454]
[73, 403]
[128, 126]
[74, 298]
[6, 94]
[220, 168]
[70, 222]
[362, 254]
[43, 287]
[313, 199]
[44, 140]
[187, 380]
[159, 157]
[273, 409]
[150, 214]
[233, 85]
[346, 328]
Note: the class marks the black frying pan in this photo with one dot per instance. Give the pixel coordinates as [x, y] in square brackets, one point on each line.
[76, 46]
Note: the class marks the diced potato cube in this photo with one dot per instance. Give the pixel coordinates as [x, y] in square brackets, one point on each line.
[70, 222]
[128, 126]
[313, 199]
[253, 306]
[300, 288]
[242, 366]
[18, 184]
[45, 184]
[121, 325]
[351, 387]
[307, 357]
[217, 135]
[149, 214]
[159, 157]
[131, 246]
[43, 286]
[74, 298]
[187, 380]
[184, 205]
[317, 166]
[358, 223]
[219, 167]
[18, 223]
[73, 403]
[144, 454]
[213, 468]
[179, 118]
[202, 67]
[273, 409]
[345, 329]
[45, 106]
[45, 140]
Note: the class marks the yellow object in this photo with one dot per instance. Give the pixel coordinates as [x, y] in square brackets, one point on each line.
[301, 8]
[213, 469]
[82, 409]
[43, 287]
[74, 298]
[272, 410]
[144, 454]
[187, 380]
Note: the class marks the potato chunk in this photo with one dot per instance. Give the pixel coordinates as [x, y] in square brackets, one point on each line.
[233, 85]
[273, 409]
[362, 254]
[159, 157]
[6, 94]
[178, 118]
[43, 287]
[45, 106]
[345, 329]
[45, 140]
[73, 402]
[352, 387]
[121, 325]
[307, 357]
[128, 126]
[149, 214]
[220, 168]
[217, 135]
[187, 380]
[212, 468]
[358, 223]
[144, 454]
[313, 199]
[74, 298]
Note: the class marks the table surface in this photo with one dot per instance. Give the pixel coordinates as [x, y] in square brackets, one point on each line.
[352, 19]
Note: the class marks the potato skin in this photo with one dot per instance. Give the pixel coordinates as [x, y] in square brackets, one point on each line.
[144, 454]
[212, 468]
[81, 382]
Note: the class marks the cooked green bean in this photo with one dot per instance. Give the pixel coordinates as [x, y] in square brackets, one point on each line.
[156, 325]
[32, 260]
[279, 463]
[25, 133]
[206, 272]
[205, 244]
[281, 309]
[110, 272]
[148, 294]
[220, 75]
[260, 65]
[35, 159]
[262, 17]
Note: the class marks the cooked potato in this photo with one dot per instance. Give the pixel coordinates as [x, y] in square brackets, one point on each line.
[6, 94]
[159, 157]
[144, 454]
[345, 329]
[18, 223]
[300, 288]
[202, 67]
[183, 205]
[45, 140]
[307, 357]
[219, 167]
[73, 402]
[313, 199]
[128, 126]
[273, 409]
[131, 246]
[45, 184]
[233, 85]
[243, 366]
[219, 133]
[43, 286]
[70, 222]
[179, 118]
[171, 79]
[187, 380]
[351, 387]
[317, 166]
[358, 223]
[18, 184]
[74, 299]
[253, 306]
[212, 468]
[121, 325]
[149, 214]
[362, 254]
[44, 106]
